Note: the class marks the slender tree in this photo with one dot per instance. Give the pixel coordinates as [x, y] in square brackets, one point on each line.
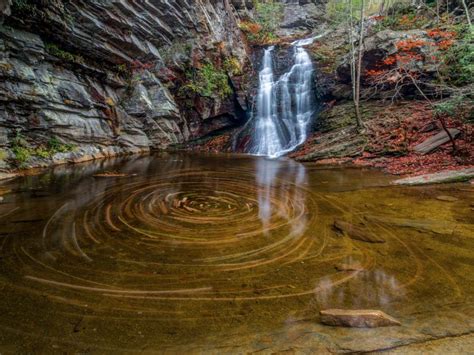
[350, 29]
[358, 70]
[467, 12]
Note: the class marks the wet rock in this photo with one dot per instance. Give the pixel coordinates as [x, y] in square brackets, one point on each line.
[421, 225]
[6, 176]
[356, 232]
[338, 136]
[300, 17]
[438, 178]
[437, 140]
[447, 198]
[4, 8]
[362, 318]
[111, 174]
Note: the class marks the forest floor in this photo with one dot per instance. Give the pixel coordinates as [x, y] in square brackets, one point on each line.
[390, 139]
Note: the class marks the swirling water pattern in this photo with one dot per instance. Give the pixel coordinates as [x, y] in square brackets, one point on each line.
[194, 252]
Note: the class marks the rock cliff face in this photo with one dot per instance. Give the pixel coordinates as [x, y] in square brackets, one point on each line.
[86, 79]
[299, 17]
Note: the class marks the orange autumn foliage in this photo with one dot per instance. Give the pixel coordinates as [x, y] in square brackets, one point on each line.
[250, 27]
[412, 50]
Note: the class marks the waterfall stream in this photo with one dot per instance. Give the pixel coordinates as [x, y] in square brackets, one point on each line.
[284, 107]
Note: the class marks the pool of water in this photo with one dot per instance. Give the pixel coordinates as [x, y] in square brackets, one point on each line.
[226, 253]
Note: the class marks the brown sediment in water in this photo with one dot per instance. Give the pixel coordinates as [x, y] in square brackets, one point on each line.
[212, 254]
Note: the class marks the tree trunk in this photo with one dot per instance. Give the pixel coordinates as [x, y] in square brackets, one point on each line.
[467, 12]
[359, 66]
[437, 11]
[353, 50]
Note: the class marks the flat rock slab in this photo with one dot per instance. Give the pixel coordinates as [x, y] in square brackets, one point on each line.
[422, 225]
[5, 176]
[434, 142]
[447, 198]
[357, 318]
[112, 175]
[438, 178]
[356, 232]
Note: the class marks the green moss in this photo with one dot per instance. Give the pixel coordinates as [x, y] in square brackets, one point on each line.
[54, 50]
[42, 153]
[34, 9]
[268, 14]
[208, 81]
[22, 155]
[23, 6]
[24, 152]
[232, 66]
[55, 146]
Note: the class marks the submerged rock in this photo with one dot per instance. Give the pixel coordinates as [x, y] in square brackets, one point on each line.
[447, 198]
[422, 225]
[356, 232]
[357, 318]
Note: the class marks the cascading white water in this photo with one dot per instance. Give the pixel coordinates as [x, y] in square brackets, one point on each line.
[284, 107]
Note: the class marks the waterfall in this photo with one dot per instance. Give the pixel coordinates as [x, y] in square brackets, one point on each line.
[284, 107]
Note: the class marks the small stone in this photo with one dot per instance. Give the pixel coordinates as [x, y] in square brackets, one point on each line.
[447, 198]
[356, 232]
[357, 318]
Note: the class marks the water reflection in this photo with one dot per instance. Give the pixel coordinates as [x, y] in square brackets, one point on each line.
[281, 181]
[367, 289]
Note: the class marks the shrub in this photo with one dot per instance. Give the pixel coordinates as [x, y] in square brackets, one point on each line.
[24, 152]
[460, 106]
[232, 66]
[208, 81]
[459, 58]
[268, 14]
[267, 19]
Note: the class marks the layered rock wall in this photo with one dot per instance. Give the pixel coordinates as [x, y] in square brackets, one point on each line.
[99, 78]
